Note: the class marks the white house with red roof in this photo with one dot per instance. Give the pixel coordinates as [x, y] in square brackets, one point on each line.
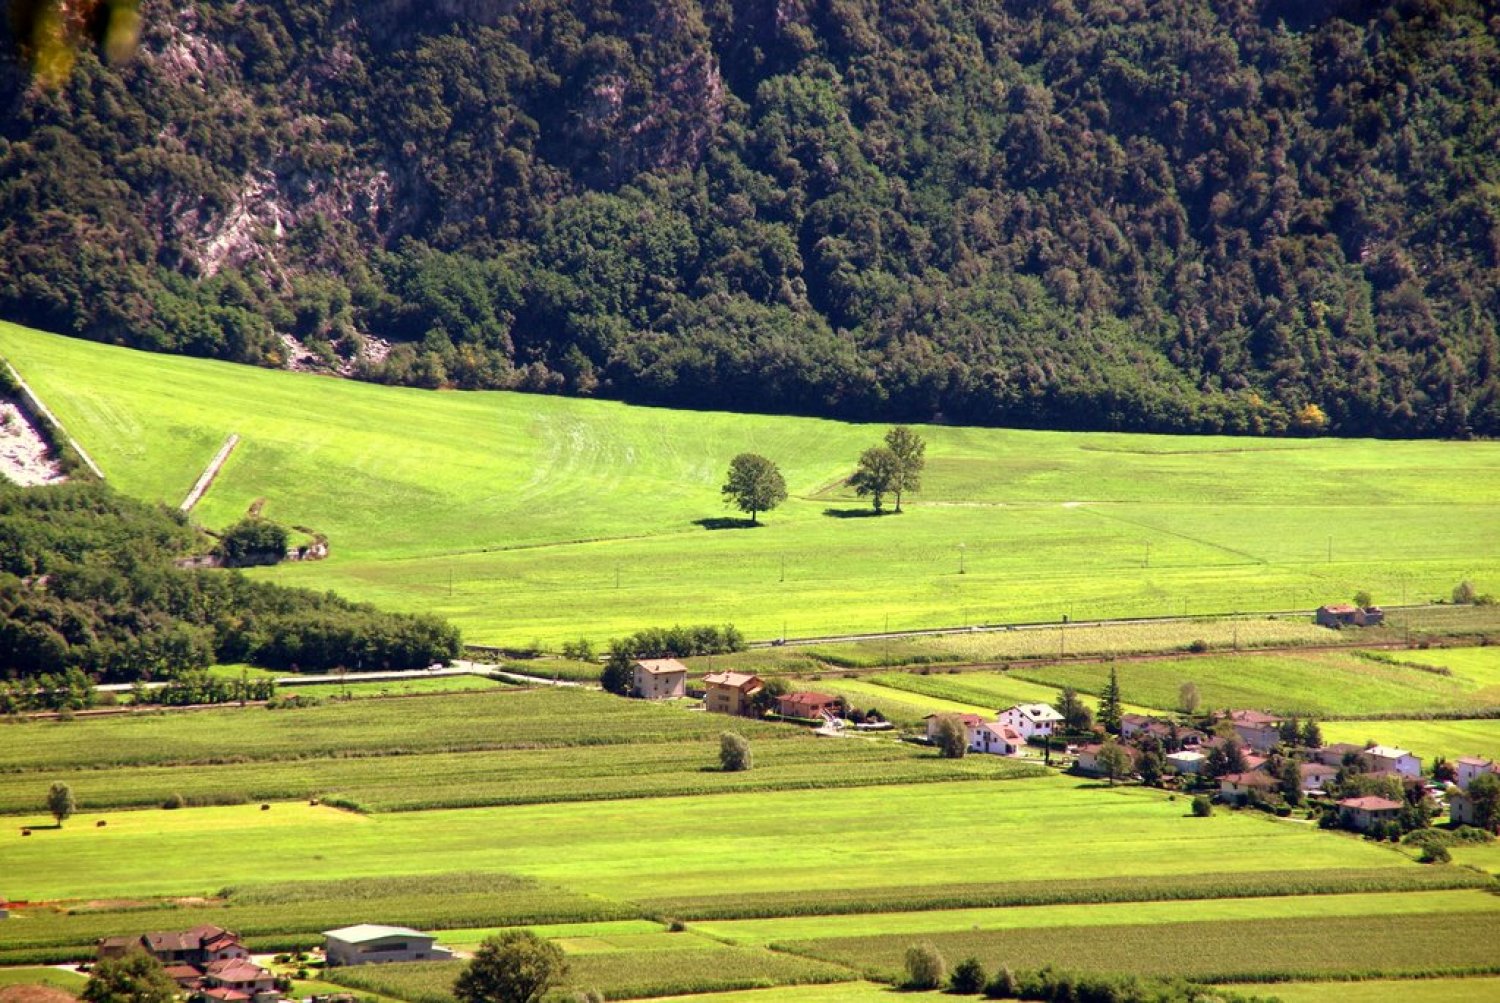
[997, 739]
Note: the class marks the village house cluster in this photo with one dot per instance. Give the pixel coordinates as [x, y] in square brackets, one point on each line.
[212, 965]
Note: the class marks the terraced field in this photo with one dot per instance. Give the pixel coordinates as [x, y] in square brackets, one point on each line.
[509, 513]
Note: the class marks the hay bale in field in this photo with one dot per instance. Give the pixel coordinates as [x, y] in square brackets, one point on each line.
[25, 832]
[265, 807]
[100, 824]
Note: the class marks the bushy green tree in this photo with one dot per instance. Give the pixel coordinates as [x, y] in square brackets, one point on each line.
[512, 967]
[734, 753]
[951, 736]
[253, 541]
[925, 967]
[910, 451]
[60, 803]
[754, 484]
[876, 475]
[136, 978]
[968, 977]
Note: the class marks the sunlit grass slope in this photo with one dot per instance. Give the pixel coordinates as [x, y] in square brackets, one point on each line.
[526, 517]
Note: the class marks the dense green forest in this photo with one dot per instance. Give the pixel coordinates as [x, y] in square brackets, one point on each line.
[88, 588]
[1191, 215]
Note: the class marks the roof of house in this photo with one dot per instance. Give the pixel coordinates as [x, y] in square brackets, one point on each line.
[182, 973]
[1386, 752]
[362, 932]
[733, 680]
[808, 696]
[1340, 607]
[656, 666]
[1370, 804]
[1250, 779]
[173, 941]
[236, 970]
[1340, 748]
[1253, 717]
[1475, 761]
[1038, 712]
[1322, 768]
[226, 994]
[207, 931]
[969, 720]
[1186, 757]
[118, 941]
[1005, 732]
[1254, 762]
[1092, 748]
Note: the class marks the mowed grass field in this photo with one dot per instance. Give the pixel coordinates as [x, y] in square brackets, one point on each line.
[527, 517]
[659, 848]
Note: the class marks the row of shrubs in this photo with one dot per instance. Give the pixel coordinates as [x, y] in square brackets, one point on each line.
[926, 969]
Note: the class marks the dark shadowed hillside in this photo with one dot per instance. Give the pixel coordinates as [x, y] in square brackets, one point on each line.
[1189, 215]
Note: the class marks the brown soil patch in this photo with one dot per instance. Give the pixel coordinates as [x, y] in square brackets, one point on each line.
[35, 994]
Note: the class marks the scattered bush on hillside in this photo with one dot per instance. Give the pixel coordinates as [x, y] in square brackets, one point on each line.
[968, 977]
[734, 752]
[925, 967]
[252, 541]
[1202, 807]
[1054, 985]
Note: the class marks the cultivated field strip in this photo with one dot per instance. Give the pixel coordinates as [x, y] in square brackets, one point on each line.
[442, 723]
[796, 760]
[1069, 891]
[1255, 950]
[277, 917]
[1323, 683]
[620, 975]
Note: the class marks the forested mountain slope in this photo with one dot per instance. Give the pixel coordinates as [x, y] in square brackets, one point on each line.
[1238, 215]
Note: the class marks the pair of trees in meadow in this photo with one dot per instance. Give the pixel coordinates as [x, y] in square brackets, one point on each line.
[754, 483]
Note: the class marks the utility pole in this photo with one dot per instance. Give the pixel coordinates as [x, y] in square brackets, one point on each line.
[783, 567]
[617, 576]
[1147, 563]
[1330, 550]
[960, 558]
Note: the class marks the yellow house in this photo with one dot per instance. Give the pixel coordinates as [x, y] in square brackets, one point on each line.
[731, 693]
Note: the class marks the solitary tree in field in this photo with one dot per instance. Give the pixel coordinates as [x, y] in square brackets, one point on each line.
[754, 484]
[952, 737]
[1109, 704]
[876, 475]
[1363, 599]
[136, 978]
[1187, 697]
[514, 967]
[909, 450]
[60, 802]
[734, 753]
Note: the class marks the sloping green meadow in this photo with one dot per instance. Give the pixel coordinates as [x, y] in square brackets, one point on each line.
[528, 517]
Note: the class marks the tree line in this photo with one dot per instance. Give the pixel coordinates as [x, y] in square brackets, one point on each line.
[1261, 218]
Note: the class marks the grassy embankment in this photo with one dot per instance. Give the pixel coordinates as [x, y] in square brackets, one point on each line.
[509, 513]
